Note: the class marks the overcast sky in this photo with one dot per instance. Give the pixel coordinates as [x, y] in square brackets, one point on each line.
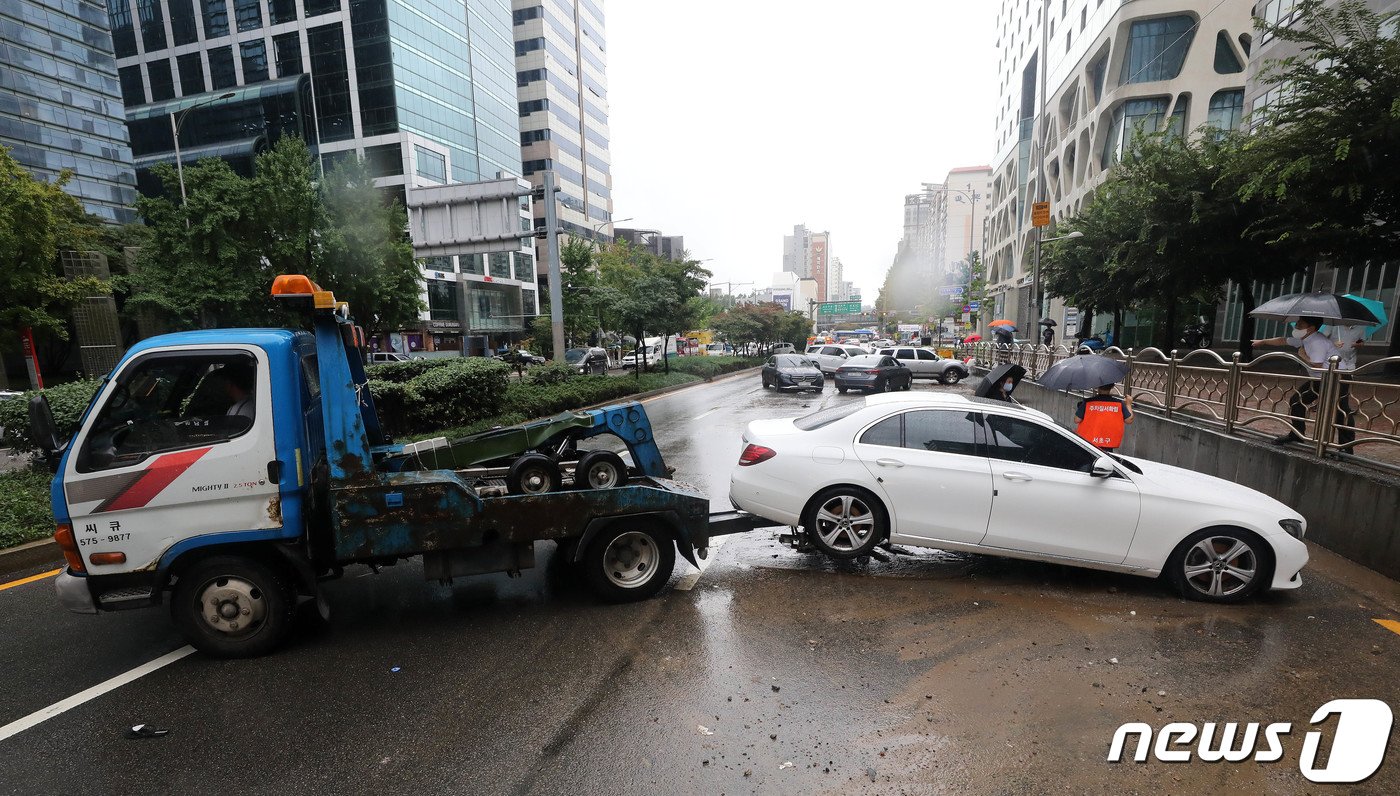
[733, 120]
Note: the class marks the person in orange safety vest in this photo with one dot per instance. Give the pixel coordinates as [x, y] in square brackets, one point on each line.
[1101, 418]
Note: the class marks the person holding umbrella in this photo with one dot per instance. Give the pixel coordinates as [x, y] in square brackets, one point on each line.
[1047, 335]
[1005, 333]
[1315, 348]
[1101, 418]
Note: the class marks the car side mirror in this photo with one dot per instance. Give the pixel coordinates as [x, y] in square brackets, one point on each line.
[1103, 468]
[44, 430]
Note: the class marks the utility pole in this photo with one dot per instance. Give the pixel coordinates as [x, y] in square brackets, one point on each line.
[556, 289]
[1040, 133]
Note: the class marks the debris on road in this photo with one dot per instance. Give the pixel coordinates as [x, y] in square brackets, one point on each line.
[138, 731]
[703, 730]
[788, 764]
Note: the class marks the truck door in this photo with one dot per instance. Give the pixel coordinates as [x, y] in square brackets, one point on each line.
[178, 447]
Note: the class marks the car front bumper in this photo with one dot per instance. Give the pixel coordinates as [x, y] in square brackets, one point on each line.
[73, 593]
[804, 383]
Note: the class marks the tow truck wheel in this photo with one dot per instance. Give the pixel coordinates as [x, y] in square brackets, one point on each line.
[629, 561]
[533, 474]
[233, 607]
[600, 470]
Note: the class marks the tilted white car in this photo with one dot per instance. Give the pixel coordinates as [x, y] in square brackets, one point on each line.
[958, 473]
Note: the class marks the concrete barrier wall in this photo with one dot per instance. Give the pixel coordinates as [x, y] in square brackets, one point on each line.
[1353, 511]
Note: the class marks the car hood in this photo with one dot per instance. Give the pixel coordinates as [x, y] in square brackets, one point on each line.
[804, 371]
[1178, 483]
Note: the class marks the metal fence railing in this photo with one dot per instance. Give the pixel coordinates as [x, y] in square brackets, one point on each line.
[1353, 413]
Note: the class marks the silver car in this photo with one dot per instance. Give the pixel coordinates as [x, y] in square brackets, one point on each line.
[830, 356]
[925, 364]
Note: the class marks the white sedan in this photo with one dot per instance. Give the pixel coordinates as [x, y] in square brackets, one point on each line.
[958, 473]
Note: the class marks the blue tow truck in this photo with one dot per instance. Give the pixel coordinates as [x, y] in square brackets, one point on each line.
[231, 471]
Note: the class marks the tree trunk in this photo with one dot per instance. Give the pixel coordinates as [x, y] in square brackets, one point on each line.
[1247, 305]
[665, 360]
[1118, 327]
[639, 363]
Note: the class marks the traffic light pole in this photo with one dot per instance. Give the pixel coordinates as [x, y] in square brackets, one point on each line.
[556, 288]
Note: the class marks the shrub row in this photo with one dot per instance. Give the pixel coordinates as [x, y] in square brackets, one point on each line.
[24, 507]
[455, 393]
[404, 372]
[67, 401]
[710, 367]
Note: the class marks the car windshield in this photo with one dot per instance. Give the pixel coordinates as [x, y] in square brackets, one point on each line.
[864, 361]
[825, 417]
[794, 361]
[575, 354]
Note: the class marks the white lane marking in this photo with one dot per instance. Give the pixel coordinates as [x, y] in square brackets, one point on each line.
[688, 582]
[704, 415]
[44, 714]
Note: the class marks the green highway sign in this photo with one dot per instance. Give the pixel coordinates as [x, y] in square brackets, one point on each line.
[839, 308]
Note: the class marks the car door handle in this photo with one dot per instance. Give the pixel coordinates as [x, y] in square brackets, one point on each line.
[1016, 477]
[889, 462]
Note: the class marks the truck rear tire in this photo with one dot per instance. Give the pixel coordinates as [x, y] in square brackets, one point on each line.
[629, 561]
[233, 607]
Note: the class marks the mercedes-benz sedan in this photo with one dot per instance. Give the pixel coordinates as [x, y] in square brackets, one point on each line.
[957, 473]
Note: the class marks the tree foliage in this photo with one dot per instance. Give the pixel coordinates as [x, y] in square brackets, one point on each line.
[762, 323]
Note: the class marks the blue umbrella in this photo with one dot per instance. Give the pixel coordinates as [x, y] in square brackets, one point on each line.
[1377, 309]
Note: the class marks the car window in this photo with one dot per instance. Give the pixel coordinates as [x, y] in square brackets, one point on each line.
[927, 355]
[832, 350]
[826, 417]
[942, 432]
[887, 432]
[889, 362]
[902, 353]
[814, 349]
[886, 351]
[1015, 440]
[856, 351]
[772, 362]
[167, 402]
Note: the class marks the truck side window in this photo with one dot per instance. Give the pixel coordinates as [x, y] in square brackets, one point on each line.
[166, 402]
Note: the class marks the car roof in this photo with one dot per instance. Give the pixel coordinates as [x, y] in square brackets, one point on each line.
[943, 400]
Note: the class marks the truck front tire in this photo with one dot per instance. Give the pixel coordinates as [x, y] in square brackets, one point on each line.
[233, 607]
[629, 560]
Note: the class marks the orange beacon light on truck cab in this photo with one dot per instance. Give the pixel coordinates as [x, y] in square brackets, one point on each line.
[301, 286]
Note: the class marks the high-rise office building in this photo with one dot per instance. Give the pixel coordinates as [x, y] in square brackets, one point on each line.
[795, 250]
[808, 254]
[423, 91]
[964, 209]
[60, 103]
[1111, 68]
[562, 81]
[671, 247]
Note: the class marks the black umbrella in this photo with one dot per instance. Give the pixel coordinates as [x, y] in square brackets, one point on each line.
[1083, 373]
[991, 383]
[1048, 322]
[1327, 306]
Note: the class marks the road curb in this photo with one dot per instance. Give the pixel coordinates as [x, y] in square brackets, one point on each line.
[29, 556]
[642, 396]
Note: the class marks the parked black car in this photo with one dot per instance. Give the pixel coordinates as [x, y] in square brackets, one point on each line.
[792, 372]
[873, 372]
[587, 360]
[521, 357]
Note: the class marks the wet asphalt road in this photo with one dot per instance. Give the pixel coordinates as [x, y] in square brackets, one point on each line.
[778, 672]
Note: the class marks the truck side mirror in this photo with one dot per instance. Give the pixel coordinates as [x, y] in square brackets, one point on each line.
[43, 429]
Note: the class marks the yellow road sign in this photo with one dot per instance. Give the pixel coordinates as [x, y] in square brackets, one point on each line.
[1040, 214]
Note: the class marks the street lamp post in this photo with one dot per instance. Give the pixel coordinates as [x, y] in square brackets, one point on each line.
[177, 120]
[607, 223]
[1035, 275]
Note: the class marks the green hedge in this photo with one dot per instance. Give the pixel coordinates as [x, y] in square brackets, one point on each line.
[710, 367]
[67, 401]
[404, 372]
[553, 373]
[24, 507]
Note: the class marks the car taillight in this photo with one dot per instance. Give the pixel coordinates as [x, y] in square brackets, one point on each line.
[69, 545]
[753, 454]
[873, 372]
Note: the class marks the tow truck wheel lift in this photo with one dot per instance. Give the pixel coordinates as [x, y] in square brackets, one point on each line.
[340, 493]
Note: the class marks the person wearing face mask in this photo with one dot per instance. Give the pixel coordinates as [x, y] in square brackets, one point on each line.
[1315, 348]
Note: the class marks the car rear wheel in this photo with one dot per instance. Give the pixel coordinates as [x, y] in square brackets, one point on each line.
[845, 522]
[951, 376]
[841, 390]
[1220, 565]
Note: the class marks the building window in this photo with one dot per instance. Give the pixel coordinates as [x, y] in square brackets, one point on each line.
[472, 263]
[182, 24]
[500, 265]
[443, 304]
[248, 14]
[123, 34]
[524, 267]
[279, 11]
[1130, 118]
[430, 165]
[191, 74]
[1226, 109]
[254, 55]
[315, 8]
[287, 49]
[1156, 49]
[133, 89]
[221, 74]
[152, 24]
[215, 19]
[1098, 71]
[1177, 124]
[385, 160]
[162, 84]
[330, 81]
[1276, 12]
[1226, 62]
[374, 71]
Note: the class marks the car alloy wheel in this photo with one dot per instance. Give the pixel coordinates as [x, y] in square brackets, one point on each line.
[845, 522]
[1220, 565]
[951, 376]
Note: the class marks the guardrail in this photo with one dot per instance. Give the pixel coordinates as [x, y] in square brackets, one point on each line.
[1353, 413]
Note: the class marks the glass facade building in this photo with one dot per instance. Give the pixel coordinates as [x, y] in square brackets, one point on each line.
[60, 101]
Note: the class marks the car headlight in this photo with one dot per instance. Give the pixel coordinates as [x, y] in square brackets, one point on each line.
[1294, 528]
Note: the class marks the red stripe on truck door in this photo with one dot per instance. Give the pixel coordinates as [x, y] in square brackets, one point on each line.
[162, 472]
